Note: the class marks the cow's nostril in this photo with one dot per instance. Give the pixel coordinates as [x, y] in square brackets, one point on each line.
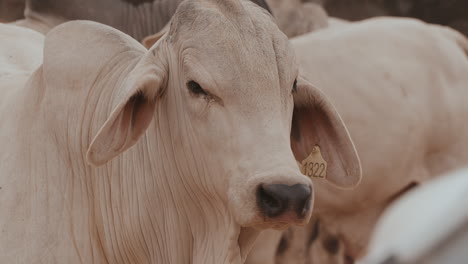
[303, 206]
[276, 199]
[269, 202]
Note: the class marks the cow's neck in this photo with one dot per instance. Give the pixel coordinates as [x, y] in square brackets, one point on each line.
[170, 198]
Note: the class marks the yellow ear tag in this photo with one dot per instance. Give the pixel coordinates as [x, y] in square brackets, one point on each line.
[314, 165]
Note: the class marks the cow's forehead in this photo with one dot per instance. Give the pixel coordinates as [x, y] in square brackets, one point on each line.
[222, 38]
[224, 22]
[233, 10]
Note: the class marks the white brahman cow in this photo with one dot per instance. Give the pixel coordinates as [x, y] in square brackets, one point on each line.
[112, 153]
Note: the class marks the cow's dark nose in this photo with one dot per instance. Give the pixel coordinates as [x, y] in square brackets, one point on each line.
[277, 199]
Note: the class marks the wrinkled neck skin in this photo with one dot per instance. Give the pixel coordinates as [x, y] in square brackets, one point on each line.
[175, 212]
[163, 214]
[139, 21]
[158, 202]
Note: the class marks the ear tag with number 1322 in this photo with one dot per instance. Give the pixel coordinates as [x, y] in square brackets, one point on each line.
[314, 166]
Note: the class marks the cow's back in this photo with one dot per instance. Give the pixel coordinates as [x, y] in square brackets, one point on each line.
[20, 54]
[20, 49]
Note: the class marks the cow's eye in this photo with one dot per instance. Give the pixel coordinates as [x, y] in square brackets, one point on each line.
[294, 88]
[195, 88]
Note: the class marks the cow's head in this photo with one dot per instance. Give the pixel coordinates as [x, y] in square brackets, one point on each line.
[224, 88]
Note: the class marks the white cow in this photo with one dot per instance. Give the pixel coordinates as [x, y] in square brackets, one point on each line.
[112, 153]
[21, 49]
[20, 54]
[428, 225]
[294, 17]
[337, 22]
[401, 87]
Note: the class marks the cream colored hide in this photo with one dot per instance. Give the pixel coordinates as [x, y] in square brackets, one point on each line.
[20, 54]
[21, 49]
[401, 87]
[337, 22]
[138, 18]
[296, 18]
[427, 226]
[113, 153]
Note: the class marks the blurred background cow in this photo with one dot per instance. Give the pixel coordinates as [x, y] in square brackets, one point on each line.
[11, 10]
[453, 13]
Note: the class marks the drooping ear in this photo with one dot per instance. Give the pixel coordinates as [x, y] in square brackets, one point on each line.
[131, 117]
[149, 41]
[124, 76]
[317, 123]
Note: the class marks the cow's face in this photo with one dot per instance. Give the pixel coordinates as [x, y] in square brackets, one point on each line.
[225, 81]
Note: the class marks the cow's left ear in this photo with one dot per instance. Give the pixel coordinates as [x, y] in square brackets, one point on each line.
[316, 123]
[132, 114]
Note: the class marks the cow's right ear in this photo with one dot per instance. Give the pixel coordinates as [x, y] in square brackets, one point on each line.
[132, 115]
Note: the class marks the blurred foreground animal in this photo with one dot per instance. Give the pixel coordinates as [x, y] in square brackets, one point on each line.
[401, 88]
[112, 153]
[427, 226]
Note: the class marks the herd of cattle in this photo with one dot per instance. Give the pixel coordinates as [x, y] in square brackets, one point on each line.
[178, 131]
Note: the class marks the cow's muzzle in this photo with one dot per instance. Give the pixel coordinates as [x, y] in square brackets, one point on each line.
[284, 203]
